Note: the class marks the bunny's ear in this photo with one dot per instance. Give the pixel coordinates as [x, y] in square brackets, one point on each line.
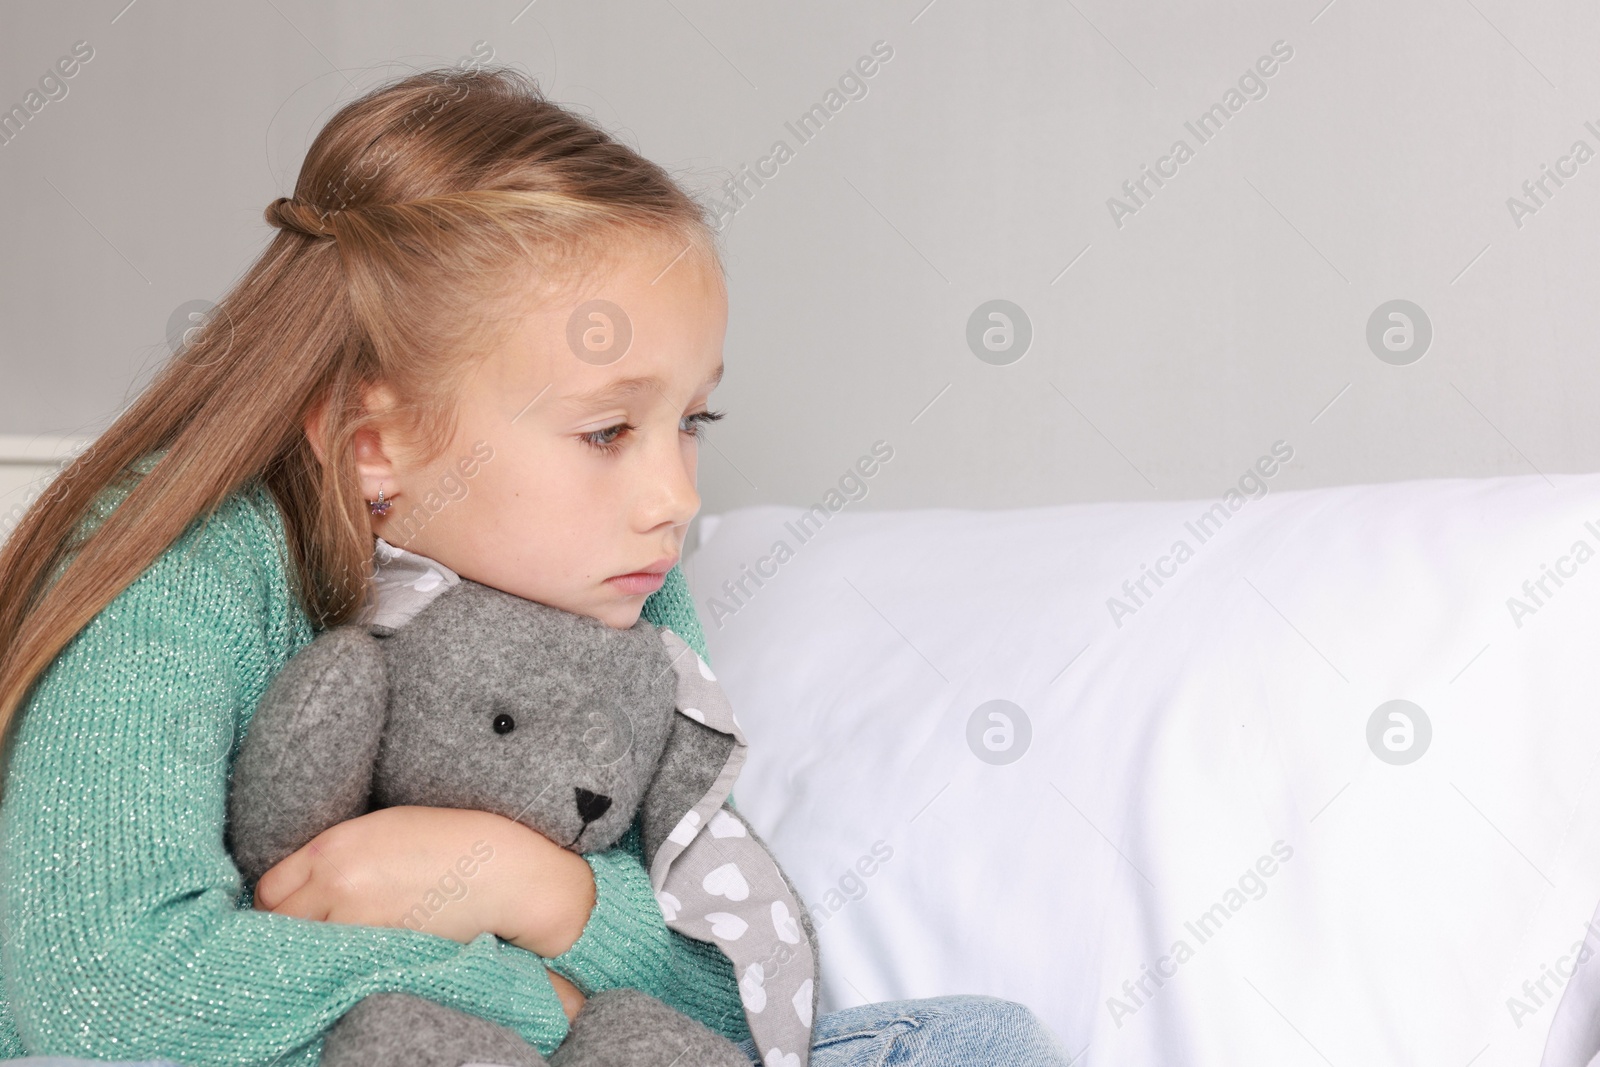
[307, 759]
[715, 880]
[704, 752]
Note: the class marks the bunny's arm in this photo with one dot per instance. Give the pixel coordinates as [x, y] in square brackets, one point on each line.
[306, 762]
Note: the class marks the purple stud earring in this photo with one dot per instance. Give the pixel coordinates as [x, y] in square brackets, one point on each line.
[380, 506]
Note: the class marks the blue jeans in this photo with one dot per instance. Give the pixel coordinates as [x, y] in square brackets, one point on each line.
[955, 1031]
[936, 1032]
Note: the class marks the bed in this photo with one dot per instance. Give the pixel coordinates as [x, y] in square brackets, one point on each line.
[1287, 777]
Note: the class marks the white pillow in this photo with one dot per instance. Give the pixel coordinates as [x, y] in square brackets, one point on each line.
[1205, 754]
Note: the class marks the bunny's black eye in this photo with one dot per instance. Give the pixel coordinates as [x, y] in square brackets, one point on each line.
[504, 724]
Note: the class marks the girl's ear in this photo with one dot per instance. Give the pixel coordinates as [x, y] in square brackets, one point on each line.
[376, 445]
[308, 757]
[316, 432]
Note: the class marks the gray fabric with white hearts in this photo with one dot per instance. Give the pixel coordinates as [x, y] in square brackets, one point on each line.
[403, 583]
[717, 881]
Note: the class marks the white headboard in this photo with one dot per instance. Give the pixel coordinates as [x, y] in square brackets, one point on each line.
[27, 462]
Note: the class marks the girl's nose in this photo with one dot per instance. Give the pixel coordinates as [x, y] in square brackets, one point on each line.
[676, 500]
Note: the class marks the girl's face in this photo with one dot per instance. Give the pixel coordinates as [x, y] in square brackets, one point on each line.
[572, 465]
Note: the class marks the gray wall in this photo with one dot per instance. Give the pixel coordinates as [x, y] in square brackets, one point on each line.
[1172, 345]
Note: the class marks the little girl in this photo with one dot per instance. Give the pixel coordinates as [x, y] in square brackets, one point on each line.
[486, 333]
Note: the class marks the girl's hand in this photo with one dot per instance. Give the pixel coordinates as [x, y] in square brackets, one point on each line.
[571, 999]
[453, 872]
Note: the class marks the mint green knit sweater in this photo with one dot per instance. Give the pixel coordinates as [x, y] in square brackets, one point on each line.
[127, 932]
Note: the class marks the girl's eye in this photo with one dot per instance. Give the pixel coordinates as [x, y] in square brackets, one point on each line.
[697, 421]
[606, 440]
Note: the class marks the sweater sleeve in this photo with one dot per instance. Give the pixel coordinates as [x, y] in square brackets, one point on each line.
[627, 944]
[129, 934]
[672, 607]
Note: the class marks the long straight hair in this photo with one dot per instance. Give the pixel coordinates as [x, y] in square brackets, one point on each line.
[419, 206]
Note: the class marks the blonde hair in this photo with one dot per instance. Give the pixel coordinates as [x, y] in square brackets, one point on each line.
[419, 205]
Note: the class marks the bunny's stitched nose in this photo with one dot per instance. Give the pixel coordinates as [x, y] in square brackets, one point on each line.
[591, 805]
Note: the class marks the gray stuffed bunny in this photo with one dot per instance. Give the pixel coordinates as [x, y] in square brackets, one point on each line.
[485, 700]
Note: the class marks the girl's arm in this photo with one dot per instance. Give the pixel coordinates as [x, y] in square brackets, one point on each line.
[608, 933]
[627, 944]
[127, 934]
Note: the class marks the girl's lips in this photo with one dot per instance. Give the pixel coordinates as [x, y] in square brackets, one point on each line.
[634, 584]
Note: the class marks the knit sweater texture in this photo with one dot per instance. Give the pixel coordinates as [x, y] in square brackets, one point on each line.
[126, 931]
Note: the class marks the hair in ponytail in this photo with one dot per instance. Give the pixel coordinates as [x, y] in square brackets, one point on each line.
[419, 206]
